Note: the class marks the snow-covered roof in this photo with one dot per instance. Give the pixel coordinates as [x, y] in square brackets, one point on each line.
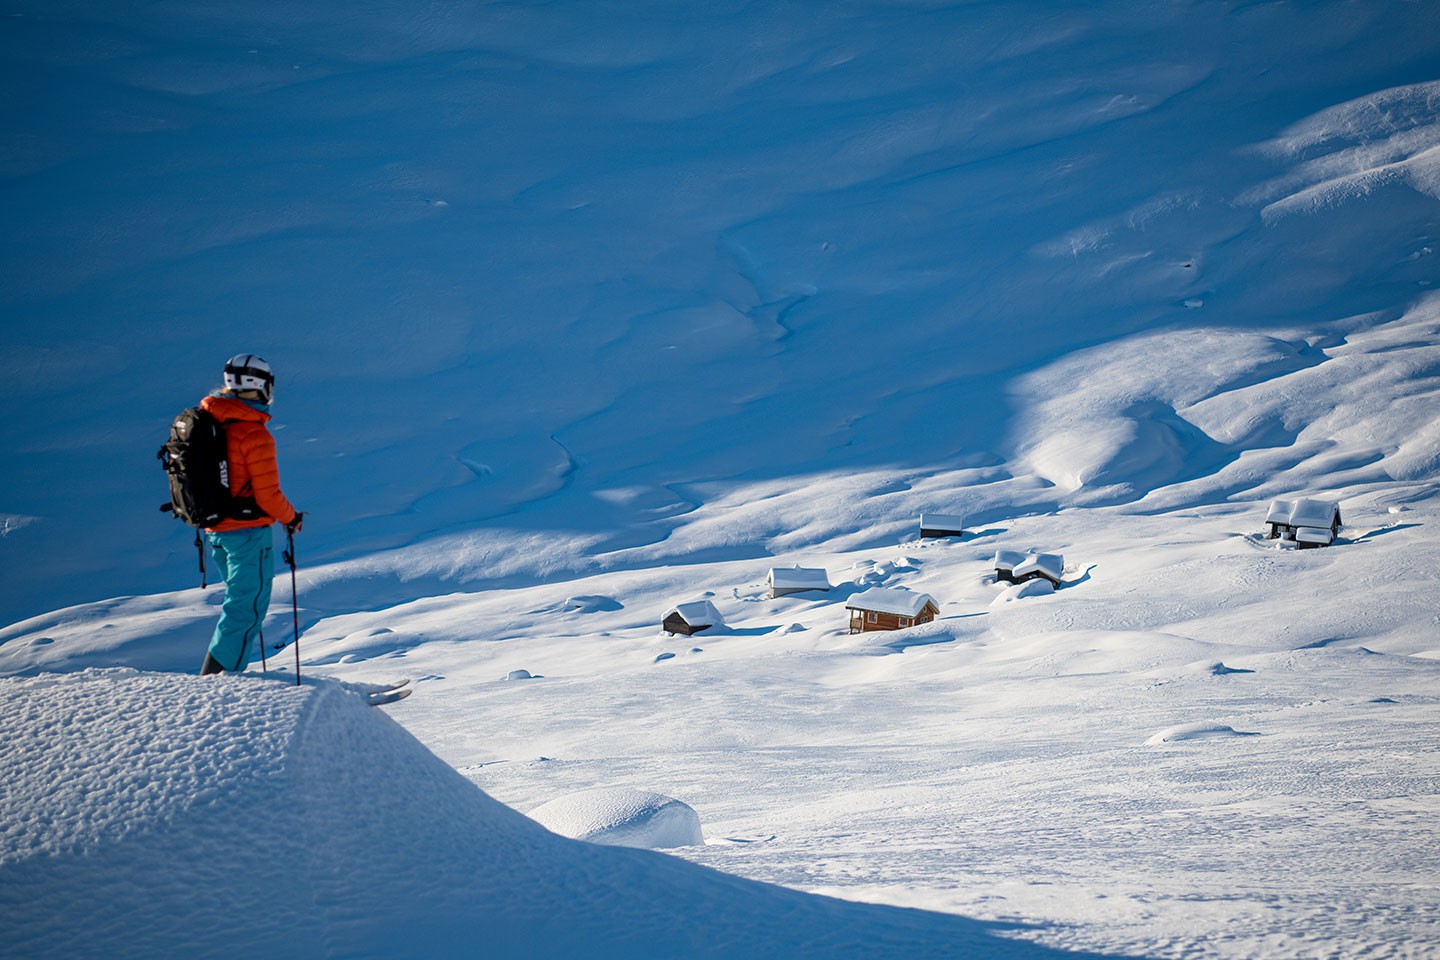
[1279, 511]
[697, 613]
[799, 578]
[1321, 535]
[1007, 559]
[1051, 565]
[896, 600]
[1303, 513]
[941, 521]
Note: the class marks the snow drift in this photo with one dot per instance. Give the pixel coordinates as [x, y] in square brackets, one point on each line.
[153, 815]
[622, 818]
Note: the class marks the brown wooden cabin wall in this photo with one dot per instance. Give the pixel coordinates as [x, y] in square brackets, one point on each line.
[887, 621]
[676, 624]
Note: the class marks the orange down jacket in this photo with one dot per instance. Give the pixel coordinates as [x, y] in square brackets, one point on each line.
[251, 452]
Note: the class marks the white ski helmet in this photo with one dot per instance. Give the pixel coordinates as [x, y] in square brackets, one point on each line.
[245, 371]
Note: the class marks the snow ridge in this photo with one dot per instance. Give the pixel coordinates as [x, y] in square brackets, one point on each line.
[298, 822]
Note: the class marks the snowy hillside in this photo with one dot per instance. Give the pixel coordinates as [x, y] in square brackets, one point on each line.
[581, 311]
[300, 824]
[546, 283]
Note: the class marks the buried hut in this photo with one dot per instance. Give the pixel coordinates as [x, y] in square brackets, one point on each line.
[890, 608]
[787, 580]
[1011, 566]
[1310, 523]
[690, 618]
[941, 525]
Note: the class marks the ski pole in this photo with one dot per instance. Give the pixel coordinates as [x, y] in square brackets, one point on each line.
[200, 549]
[294, 598]
[264, 667]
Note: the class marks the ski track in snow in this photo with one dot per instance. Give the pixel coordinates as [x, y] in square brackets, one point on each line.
[580, 316]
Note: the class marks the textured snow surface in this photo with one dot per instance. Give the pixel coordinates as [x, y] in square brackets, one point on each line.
[581, 309]
[164, 816]
[558, 288]
[622, 818]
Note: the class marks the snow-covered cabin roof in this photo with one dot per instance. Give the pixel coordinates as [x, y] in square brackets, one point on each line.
[1007, 559]
[942, 521]
[697, 613]
[799, 578]
[896, 600]
[1320, 535]
[1303, 513]
[1019, 564]
[1051, 565]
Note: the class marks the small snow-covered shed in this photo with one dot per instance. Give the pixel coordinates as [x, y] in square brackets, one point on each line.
[691, 618]
[941, 525]
[1015, 567]
[788, 580]
[890, 608]
[1310, 523]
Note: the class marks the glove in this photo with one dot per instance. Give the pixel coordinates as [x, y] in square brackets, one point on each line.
[297, 524]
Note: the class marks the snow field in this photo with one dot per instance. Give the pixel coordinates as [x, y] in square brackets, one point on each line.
[234, 816]
[583, 312]
[666, 257]
[999, 766]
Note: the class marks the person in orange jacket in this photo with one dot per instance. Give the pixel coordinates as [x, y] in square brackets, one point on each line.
[244, 549]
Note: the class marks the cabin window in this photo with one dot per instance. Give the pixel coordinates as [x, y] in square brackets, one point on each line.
[904, 621]
[872, 618]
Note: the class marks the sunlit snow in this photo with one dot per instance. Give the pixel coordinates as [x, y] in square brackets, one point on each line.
[581, 312]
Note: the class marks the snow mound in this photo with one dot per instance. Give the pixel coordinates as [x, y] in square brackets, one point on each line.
[151, 815]
[1019, 591]
[591, 604]
[1217, 668]
[622, 818]
[1355, 149]
[1196, 731]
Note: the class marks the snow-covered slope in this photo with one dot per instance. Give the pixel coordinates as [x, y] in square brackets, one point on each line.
[162, 816]
[584, 310]
[545, 283]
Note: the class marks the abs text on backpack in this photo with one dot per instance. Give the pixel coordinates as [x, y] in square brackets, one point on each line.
[195, 459]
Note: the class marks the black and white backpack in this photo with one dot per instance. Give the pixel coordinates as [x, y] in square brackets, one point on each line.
[195, 460]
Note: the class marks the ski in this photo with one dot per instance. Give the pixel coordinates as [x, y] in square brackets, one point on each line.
[380, 698]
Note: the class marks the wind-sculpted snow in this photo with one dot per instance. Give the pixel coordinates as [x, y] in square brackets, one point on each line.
[1226, 412]
[151, 816]
[544, 273]
[622, 818]
[583, 310]
[1356, 149]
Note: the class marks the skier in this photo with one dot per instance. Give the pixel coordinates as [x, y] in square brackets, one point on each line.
[244, 549]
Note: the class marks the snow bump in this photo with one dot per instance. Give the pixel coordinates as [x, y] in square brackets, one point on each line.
[1196, 731]
[622, 818]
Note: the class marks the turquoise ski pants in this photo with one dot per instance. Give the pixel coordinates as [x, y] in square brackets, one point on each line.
[246, 559]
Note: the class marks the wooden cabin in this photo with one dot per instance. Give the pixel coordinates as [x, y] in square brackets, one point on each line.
[941, 525]
[1310, 523]
[890, 608]
[787, 580]
[688, 619]
[1011, 566]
